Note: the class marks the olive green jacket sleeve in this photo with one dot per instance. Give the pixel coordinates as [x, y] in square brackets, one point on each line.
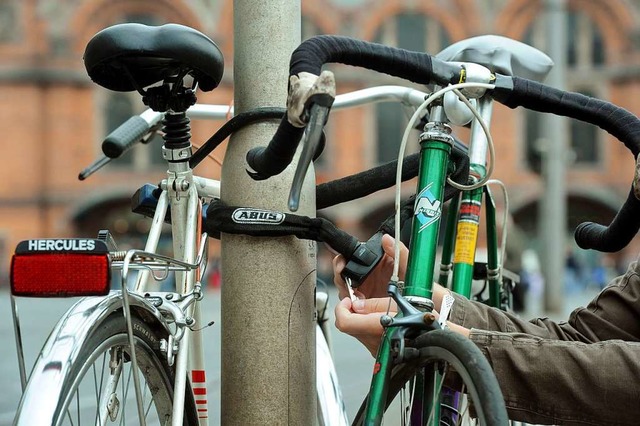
[582, 371]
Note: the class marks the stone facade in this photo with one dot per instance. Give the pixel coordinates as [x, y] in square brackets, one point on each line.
[54, 118]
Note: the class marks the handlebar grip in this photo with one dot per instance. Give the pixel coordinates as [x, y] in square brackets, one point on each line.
[125, 136]
[273, 159]
[617, 121]
[617, 235]
[418, 67]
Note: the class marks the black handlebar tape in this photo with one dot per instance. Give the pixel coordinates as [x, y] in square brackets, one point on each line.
[418, 67]
[125, 136]
[617, 121]
[273, 159]
[313, 53]
[617, 235]
[365, 183]
[235, 123]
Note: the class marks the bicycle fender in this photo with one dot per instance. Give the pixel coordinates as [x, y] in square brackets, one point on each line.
[58, 355]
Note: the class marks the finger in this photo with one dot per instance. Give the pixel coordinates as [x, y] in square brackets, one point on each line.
[388, 245]
[359, 294]
[338, 265]
[356, 324]
[374, 305]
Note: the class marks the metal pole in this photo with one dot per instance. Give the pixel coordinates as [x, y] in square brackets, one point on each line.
[554, 202]
[268, 326]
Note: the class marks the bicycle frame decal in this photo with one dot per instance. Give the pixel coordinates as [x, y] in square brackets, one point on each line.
[60, 245]
[467, 234]
[256, 216]
[198, 383]
[428, 208]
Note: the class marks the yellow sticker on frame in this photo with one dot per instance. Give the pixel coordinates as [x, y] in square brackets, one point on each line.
[466, 239]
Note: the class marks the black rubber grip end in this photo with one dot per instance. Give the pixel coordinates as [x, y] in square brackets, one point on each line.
[617, 235]
[587, 232]
[125, 136]
[252, 156]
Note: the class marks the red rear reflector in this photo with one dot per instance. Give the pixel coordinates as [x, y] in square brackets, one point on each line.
[74, 268]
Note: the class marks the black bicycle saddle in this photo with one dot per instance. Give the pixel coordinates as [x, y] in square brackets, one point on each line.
[501, 55]
[125, 57]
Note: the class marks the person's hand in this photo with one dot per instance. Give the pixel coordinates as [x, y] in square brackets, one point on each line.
[375, 286]
[361, 319]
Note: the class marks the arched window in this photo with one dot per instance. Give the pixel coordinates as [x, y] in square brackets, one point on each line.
[584, 140]
[118, 109]
[411, 31]
[10, 32]
[585, 46]
[309, 28]
[585, 53]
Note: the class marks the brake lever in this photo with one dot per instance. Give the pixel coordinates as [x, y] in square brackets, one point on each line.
[94, 167]
[317, 118]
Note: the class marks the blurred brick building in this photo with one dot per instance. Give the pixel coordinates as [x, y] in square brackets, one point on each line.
[53, 118]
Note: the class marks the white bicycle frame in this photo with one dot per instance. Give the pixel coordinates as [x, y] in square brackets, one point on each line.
[182, 193]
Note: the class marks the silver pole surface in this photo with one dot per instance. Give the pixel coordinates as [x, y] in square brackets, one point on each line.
[554, 200]
[268, 326]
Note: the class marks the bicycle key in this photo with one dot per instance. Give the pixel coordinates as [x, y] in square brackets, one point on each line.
[363, 260]
[352, 295]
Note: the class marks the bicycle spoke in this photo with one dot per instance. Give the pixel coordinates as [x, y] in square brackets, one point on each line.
[70, 419]
[403, 409]
[125, 394]
[436, 397]
[99, 389]
[466, 407]
[146, 412]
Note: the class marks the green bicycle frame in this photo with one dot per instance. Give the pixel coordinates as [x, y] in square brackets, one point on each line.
[435, 151]
[495, 287]
[460, 242]
[468, 219]
[466, 237]
[461, 235]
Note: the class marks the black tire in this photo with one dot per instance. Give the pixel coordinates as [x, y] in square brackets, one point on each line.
[471, 367]
[78, 404]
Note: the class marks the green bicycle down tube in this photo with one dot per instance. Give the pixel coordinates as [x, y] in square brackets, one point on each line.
[448, 242]
[434, 162]
[377, 402]
[466, 239]
[493, 275]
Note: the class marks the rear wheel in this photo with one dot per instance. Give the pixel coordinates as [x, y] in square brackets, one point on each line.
[449, 382]
[101, 390]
